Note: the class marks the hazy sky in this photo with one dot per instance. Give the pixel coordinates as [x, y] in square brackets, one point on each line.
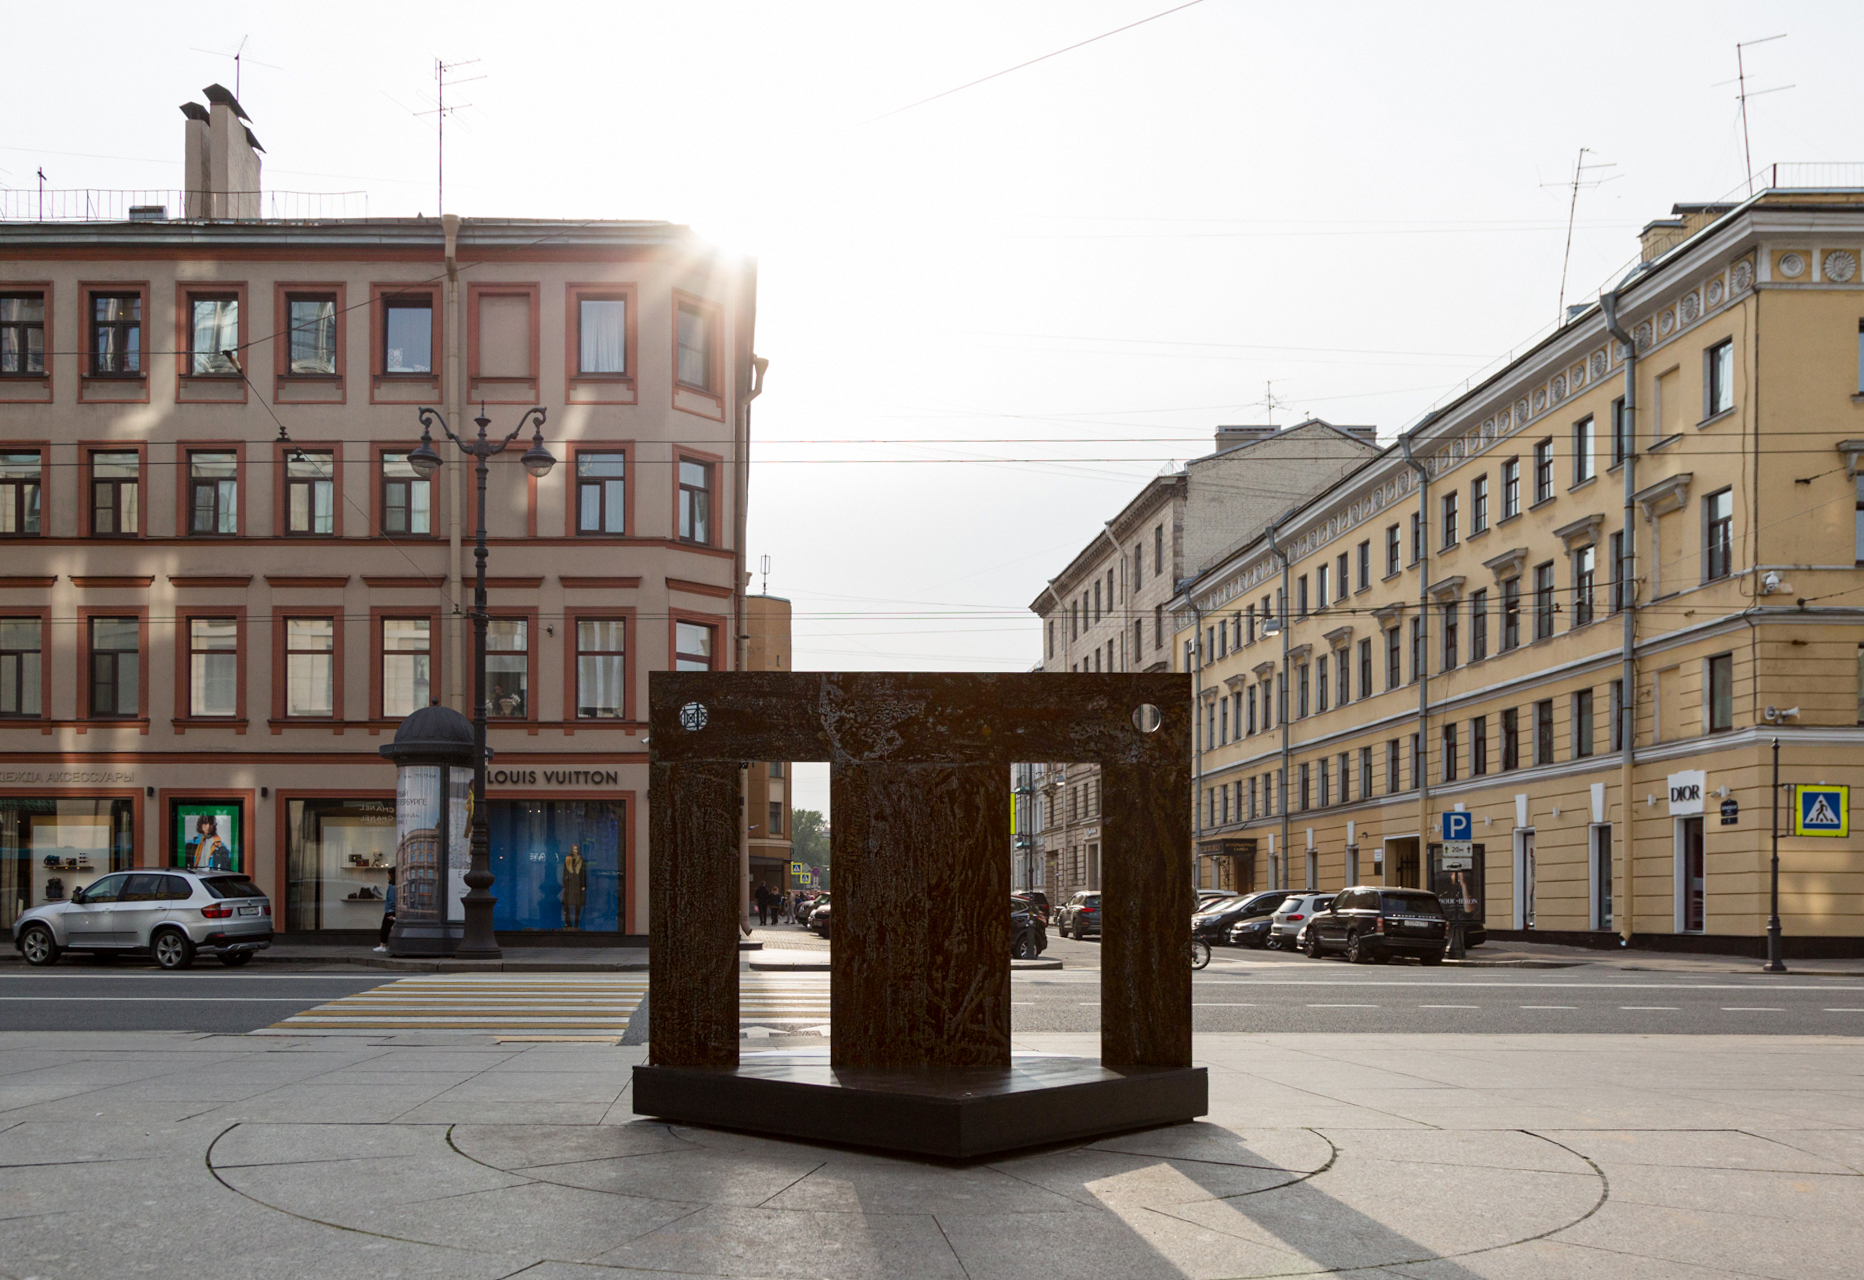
[1083, 266]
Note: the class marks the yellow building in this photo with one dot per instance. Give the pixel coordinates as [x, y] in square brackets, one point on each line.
[1664, 498]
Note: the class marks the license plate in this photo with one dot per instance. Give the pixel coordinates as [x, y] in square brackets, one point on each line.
[249, 911]
[1423, 924]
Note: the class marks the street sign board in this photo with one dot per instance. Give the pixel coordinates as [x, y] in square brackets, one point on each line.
[1731, 812]
[1457, 855]
[1459, 827]
[1822, 810]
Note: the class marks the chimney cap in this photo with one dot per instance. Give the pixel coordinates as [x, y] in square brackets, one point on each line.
[252, 141]
[220, 96]
[194, 111]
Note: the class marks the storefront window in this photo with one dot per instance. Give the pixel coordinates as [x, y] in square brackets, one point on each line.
[209, 836]
[507, 667]
[50, 847]
[556, 864]
[338, 855]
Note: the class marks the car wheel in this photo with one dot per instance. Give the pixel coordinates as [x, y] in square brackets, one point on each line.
[38, 945]
[1062, 929]
[1024, 948]
[234, 959]
[1357, 952]
[1313, 945]
[1431, 959]
[172, 949]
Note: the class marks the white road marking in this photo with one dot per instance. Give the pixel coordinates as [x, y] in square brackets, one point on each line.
[1342, 1006]
[1752, 1008]
[1648, 1008]
[1449, 1006]
[1549, 1006]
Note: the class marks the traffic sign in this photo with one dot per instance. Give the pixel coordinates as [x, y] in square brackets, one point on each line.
[1822, 810]
[1459, 827]
[1457, 855]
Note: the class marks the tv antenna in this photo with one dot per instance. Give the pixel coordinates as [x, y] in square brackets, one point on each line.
[1579, 183]
[1742, 95]
[238, 55]
[1269, 402]
[440, 113]
[764, 565]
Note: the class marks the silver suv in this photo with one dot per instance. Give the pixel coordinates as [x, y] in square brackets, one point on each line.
[169, 914]
[1292, 917]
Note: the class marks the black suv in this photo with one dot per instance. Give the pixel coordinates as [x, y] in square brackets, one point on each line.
[1213, 920]
[1370, 923]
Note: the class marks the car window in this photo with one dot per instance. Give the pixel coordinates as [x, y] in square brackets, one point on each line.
[142, 887]
[1411, 904]
[105, 890]
[1092, 900]
[176, 889]
[1322, 903]
[233, 887]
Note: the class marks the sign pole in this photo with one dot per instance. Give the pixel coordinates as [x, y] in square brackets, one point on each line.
[1774, 963]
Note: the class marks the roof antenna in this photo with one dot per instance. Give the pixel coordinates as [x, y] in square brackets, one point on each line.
[1269, 403]
[766, 568]
[1747, 152]
[440, 112]
[1572, 209]
[238, 56]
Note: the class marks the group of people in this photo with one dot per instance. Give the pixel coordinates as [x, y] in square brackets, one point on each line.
[775, 907]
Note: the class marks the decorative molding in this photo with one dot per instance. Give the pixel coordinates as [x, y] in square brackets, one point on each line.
[23, 580]
[1451, 587]
[287, 582]
[402, 584]
[124, 581]
[698, 588]
[1388, 615]
[210, 580]
[1580, 532]
[1300, 652]
[1338, 638]
[1665, 496]
[598, 584]
[1853, 451]
[1839, 265]
[1236, 681]
[1507, 565]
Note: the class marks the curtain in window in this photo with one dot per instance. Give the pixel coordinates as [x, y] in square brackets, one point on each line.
[604, 335]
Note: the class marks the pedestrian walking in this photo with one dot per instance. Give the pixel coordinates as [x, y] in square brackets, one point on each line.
[763, 903]
[786, 909]
[388, 912]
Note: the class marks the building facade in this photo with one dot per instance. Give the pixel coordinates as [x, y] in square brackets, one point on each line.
[1579, 603]
[224, 585]
[767, 783]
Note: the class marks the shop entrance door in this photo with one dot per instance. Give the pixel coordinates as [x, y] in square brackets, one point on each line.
[1401, 869]
[1692, 906]
[1524, 879]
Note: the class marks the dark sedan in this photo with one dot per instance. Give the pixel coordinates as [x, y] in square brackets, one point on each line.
[1214, 920]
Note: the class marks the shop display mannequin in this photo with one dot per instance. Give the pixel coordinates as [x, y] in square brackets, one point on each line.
[575, 880]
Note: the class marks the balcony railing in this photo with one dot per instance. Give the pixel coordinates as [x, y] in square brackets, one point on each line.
[99, 205]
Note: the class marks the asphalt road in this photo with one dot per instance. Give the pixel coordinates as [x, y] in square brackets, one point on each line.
[77, 997]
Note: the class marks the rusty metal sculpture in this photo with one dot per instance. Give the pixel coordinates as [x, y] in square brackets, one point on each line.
[919, 999]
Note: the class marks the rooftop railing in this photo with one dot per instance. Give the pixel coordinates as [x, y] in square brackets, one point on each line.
[90, 204]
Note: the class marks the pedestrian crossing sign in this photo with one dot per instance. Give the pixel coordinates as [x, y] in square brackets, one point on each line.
[1822, 811]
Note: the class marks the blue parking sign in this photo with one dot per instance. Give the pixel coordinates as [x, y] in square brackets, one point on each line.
[1822, 811]
[1458, 825]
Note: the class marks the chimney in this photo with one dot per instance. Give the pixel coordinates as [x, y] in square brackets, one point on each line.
[222, 159]
[1664, 234]
[1232, 437]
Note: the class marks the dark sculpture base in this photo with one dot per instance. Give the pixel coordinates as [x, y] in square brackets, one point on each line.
[950, 1112]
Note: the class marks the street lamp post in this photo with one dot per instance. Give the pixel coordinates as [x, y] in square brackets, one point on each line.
[1774, 963]
[478, 941]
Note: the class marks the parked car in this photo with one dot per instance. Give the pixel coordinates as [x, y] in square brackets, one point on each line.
[806, 910]
[1368, 923]
[1035, 899]
[1212, 895]
[1217, 920]
[1292, 916]
[168, 914]
[1080, 916]
[819, 919]
[1028, 939]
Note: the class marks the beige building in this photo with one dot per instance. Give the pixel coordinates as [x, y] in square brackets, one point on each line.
[767, 784]
[223, 586]
[1109, 609]
[1579, 603]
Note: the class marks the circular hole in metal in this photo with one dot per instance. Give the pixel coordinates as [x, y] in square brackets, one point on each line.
[1147, 718]
[693, 717]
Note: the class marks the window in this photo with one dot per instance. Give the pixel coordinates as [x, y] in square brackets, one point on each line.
[1320, 587]
[1158, 626]
[1139, 567]
[1543, 731]
[1417, 537]
[1449, 752]
[1301, 690]
[1617, 730]
[507, 667]
[776, 768]
[1601, 875]
[692, 647]
[1365, 773]
[1392, 780]
[1249, 703]
[115, 494]
[1300, 596]
[213, 666]
[20, 490]
[602, 335]
[213, 331]
[1478, 746]
[1721, 698]
[1511, 739]
[22, 334]
[1718, 378]
[1585, 563]
[1097, 606]
[116, 335]
[1306, 789]
[1543, 471]
[1339, 576]
[1450, 647]
[601, 646]
[1394, 661]
[1449, 519]
[776, 817]
[1582, 724]
[1417, 649]
[115, 668]
[1139, 639]
[1718, 522]
[1343, 669]
[310, 493]
[1511, 488]
[1543, 600]
[1418, 763]
[20, 673]
[1583, 460]
[601, 492]
[1365, 565]
[310, 666]
[1223, 721]
[408, 335]
[407, 666]
[1158, 549]
[1391, 550]
[1621, 431]
[1320, 684]
[213, 493]
[407, 499]
[1478, 505]
[1619, 597]
[1511, 614]
[1479, 625]
[696, 349]
[313, 324]
[1365, 668]
[1326, 788]
[695, 501]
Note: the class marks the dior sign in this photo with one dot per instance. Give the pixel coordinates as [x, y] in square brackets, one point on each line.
[1686, 790]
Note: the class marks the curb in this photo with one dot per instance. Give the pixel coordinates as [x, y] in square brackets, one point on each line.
[807, 962]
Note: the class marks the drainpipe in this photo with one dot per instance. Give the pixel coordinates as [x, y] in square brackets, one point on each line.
[1420, 764]
[747, 385]
[1624, 886]
[453, 396]
[1197, 730]
[1279, 692]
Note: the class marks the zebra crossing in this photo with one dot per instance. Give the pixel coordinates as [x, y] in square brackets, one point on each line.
[513, 1006]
